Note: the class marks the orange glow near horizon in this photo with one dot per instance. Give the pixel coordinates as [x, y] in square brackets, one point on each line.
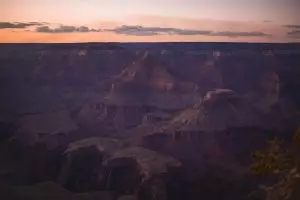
[31, 37]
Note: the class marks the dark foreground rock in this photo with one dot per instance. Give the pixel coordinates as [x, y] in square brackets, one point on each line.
[50, 191]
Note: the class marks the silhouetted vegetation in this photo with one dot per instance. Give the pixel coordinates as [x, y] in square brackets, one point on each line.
[278, 165]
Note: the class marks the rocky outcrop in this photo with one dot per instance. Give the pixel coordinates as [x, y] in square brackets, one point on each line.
[82, 168]
[108, 164]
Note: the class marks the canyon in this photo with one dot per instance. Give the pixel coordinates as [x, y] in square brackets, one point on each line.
[141, 121]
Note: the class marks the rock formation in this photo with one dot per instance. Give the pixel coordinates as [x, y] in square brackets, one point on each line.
[142, 87]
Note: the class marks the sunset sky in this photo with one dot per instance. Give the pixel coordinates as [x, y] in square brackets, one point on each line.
[149, 20]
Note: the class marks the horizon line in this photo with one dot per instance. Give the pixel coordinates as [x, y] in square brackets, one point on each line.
[1, 43]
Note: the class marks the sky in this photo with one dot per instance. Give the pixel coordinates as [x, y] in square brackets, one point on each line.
[149, 20]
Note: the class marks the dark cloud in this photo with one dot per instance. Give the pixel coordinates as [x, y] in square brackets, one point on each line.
[45, 29]
[191, 32]
[38, 23]
[20, 25]
[267, 21]
[135, 30]
[294, 34]
[292, 26]
[65, 29]
[151, 31]
[240, 34]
